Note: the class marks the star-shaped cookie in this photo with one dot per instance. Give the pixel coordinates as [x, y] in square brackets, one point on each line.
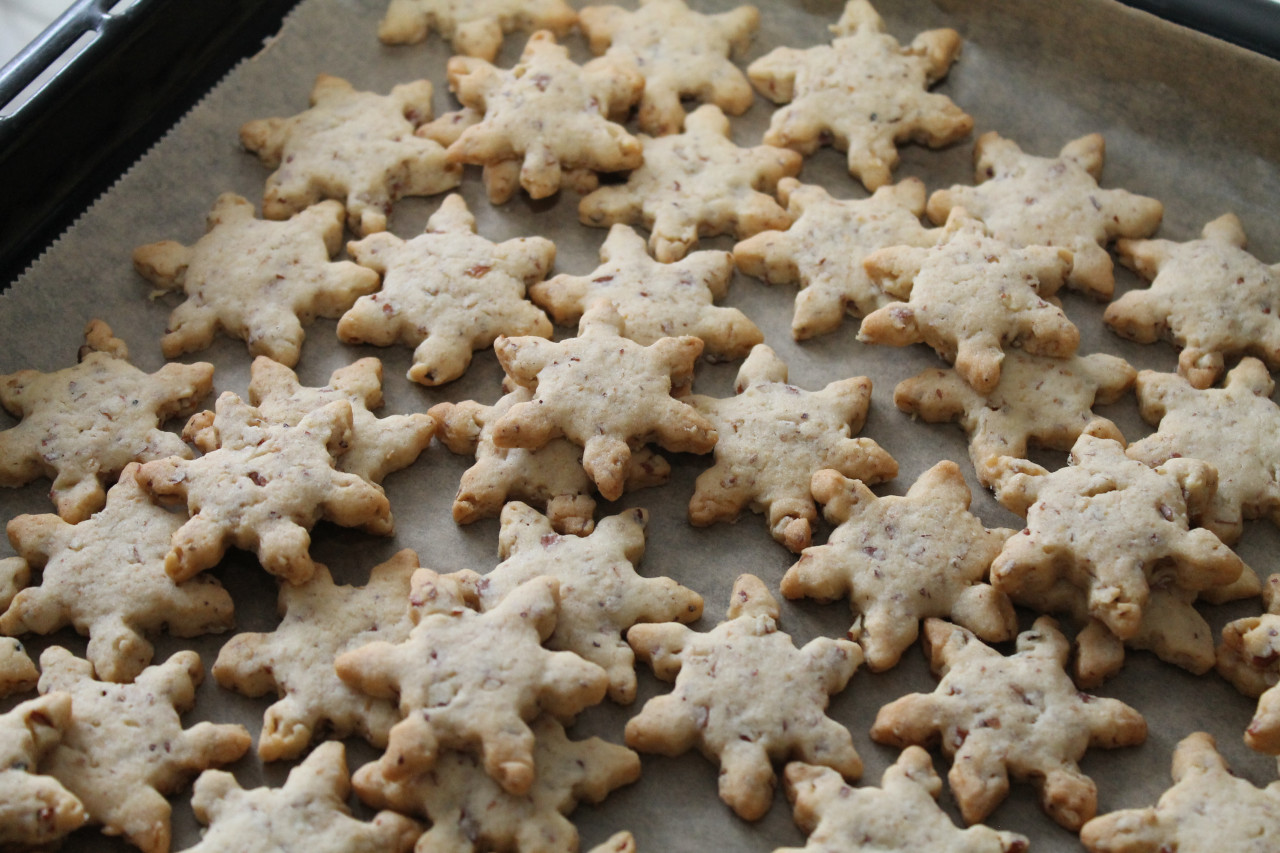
[1249, 657]
[35, 810]
[475, 28]
[17, 671]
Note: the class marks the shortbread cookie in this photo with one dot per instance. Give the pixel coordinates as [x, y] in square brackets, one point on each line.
[321, 621]
[696, 184]
[126, 749]
[681, 54]
[619, 842]
[1038, 400]
[309, 813]
[655, 300]
[1208, 808]
[864, 94]
[357, 147]
[1235, 428]
[997, 716]
[468, 680]
[17, 671]
[263, 488]
[746, 697]
[1052, 201]
[546, 121]
[902, 814]
[81, 425]
[773, 438]
[35, 810]
[902, 559]
[475, 28]
[447, 292]
[605, 393]
[257, 280]
[1208, 296]
[1249, 658]
[823, 250]
[470, 813]
[601, 596]
[970, 297]
[105, 577]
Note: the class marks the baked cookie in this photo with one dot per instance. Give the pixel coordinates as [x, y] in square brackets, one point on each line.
[1208, 296]
[1021, 715]
[1052, 201]
[655, 300]
[35, 810]
[902, 559]
[696, 184]
[970, 297]
[1249, 658]
[81, 425]
[746, 697]
[601, 596]
[18, 672]
[263, 488]
[823, 250]
[447, 292]
[357, 147]
[475, 28]
[619, 842]
[257, 280]
[864, 93]
[773, 438]
[679, 52]
[321, 620]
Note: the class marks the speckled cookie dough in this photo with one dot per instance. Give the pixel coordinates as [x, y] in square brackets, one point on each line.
[35, 810]
[473, 27]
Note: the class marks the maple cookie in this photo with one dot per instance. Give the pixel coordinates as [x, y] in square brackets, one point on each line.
[257, 280]
[17, 671]
[1021, 715]
[357, 147]
[473, 29]
[447, 292]
[1249, 658]
[655, 300]
[696, 184]
[1052, 201]
[81, 425]
[680, 52]
[35, 810]
[1208, 296]
[773, 438]
[730, 703]
[864, 93]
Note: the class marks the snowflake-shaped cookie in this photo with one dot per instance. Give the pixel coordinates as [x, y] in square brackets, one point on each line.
[997, 716]
[1040, 400]
[474, 28]
[81, 425]
[864, 94]
[1209, 296]
[746, 697]
[357, 147]
[655, 300]
[1052, 201]
[321, 621]
[969, 297]
[696, 184]
[35, 810]
[1235, 428]
[257, 280]
[466, 679]
[17, 671]
[601, 595]
[126, 749]
[681, 54]
[823, 250]
[773, 438]
[1249, 658]
[263, 488]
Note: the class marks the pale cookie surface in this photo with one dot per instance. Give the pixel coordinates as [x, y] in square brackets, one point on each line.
[864, 93]
[1021, 715]
[773, 438]
[81, 425]
[655, 300]
[105, 577]
[447, 292]
[17, 671]
[696, 184]
[321, 621]
[903, 559]
[1052, 201]
[35, 810]
[357, 147]
[257, 280]
[1208, 296]
[1249, 658]
[475, 27]
[823, 250]
[746, 697]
